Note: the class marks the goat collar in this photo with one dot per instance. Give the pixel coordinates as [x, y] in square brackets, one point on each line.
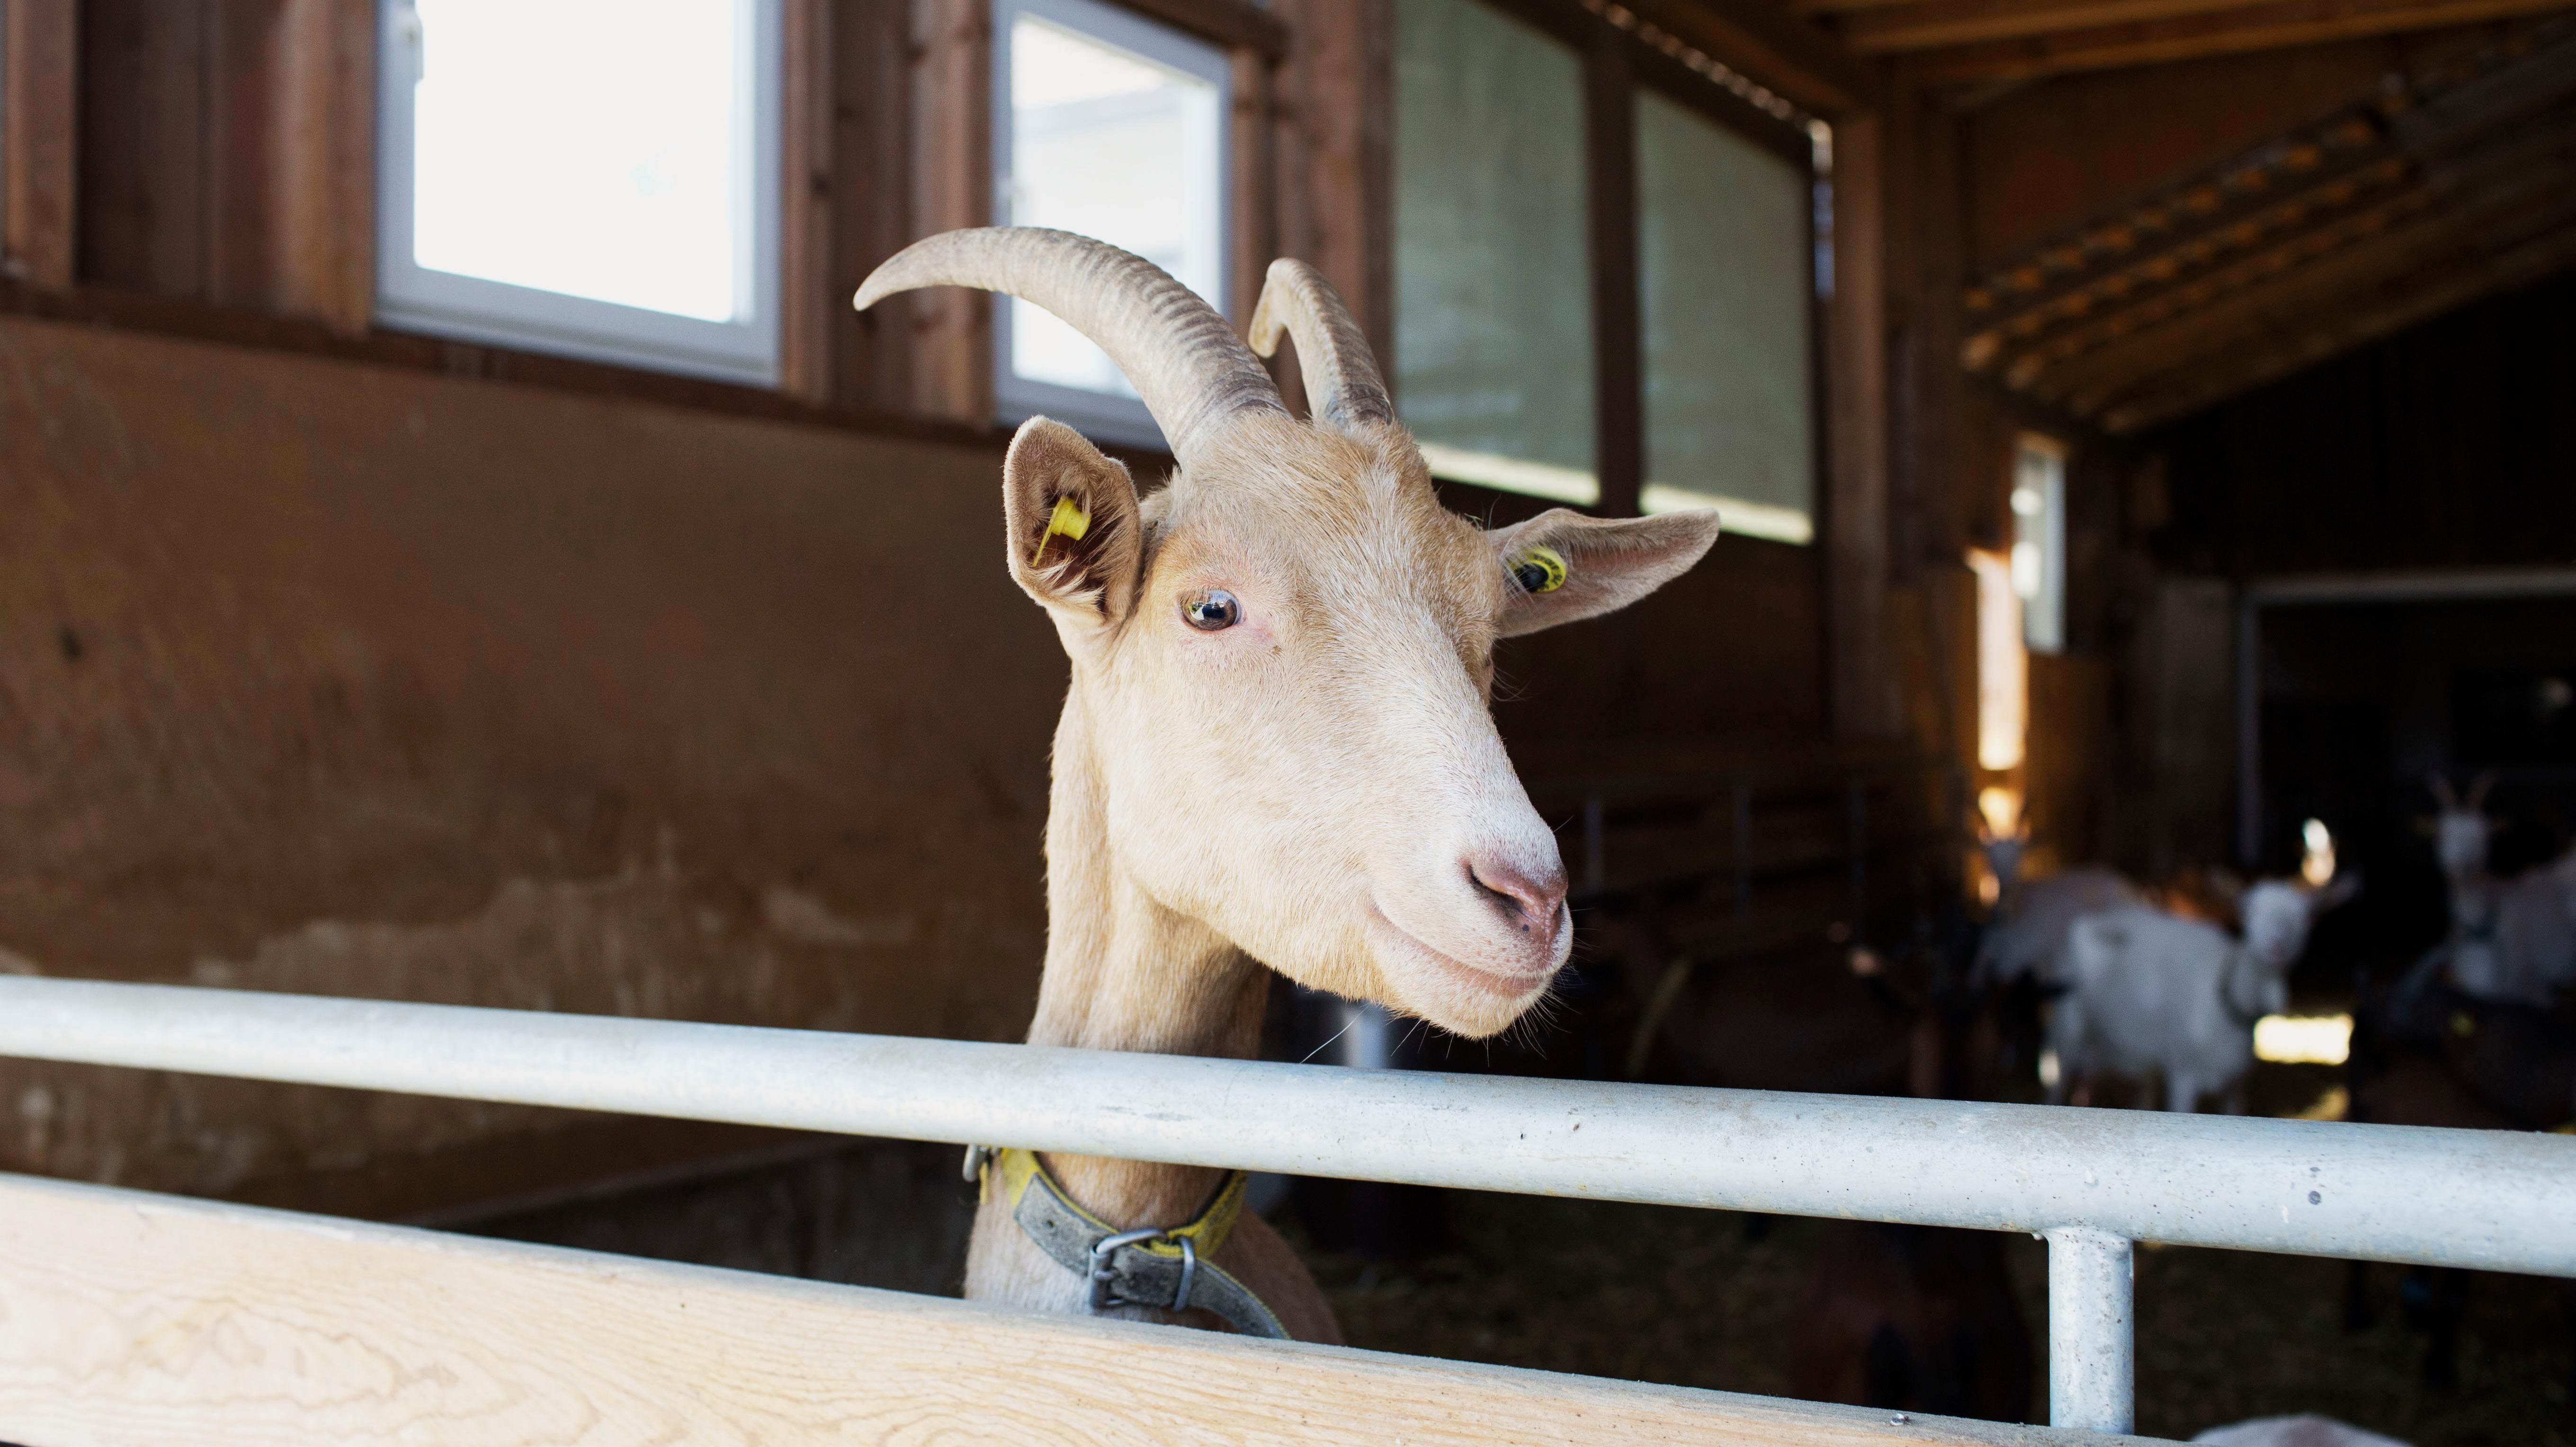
[1164, 1267]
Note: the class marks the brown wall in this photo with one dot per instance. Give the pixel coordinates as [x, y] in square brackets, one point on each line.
[339, 679]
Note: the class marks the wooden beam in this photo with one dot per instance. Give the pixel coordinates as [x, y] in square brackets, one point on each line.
[2275, 25]
[950, 344]
[39, 129]
[155, 1321]
[1766, 44]
[2447, 285]
[809, 316]
[1233, 24]
[1958, 22]
[322, 209]
[1861, 659]
[1333, 156]
[1610, 206]
[2316, 286]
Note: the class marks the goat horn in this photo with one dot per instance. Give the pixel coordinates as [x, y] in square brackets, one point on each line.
[1343, 388]
[2449, 801]
[2478, 791]
[1188, 365]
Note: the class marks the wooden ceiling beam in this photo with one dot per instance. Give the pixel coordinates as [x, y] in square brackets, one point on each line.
[1769, 44]
[2315, 289]
[2419, 297]
[2273, 25]
[1901, 28]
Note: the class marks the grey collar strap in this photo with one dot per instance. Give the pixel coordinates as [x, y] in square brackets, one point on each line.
[1153, 1267]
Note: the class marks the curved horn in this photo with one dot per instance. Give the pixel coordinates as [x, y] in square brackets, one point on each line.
[1188, 365]
[2443, 796]
[2478, 790]
[1343, 388]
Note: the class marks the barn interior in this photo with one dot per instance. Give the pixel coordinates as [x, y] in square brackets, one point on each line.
[463, 546]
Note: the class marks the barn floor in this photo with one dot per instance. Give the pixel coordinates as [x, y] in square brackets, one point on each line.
[1696, 1298]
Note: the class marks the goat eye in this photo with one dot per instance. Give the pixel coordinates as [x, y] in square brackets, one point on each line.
[1209, 609]
[1537, 569]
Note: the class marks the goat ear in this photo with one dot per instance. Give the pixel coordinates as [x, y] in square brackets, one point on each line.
[1562, 565]
[1070, 527]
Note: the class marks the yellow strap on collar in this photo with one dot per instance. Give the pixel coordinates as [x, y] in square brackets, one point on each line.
[1068, 519]
[1206, 1231]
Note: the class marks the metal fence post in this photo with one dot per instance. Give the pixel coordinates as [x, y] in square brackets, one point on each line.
[2092, 1342]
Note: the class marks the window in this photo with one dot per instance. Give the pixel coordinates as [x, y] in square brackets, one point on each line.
[2039, 542]
[1113, 126]
[594, 178]
[1724, 305]
[1493, 316]
[2003, 665]
[1499, 226]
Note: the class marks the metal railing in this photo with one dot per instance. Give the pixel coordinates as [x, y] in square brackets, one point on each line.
[2091, 1181]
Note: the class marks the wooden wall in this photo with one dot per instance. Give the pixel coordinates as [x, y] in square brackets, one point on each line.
[350, 680]
[2451, 445]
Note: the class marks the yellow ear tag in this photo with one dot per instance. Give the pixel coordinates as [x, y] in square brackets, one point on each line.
[1537, 569]
[1068, 519]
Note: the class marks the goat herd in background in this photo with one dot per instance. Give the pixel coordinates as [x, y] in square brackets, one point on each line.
[2145, 982]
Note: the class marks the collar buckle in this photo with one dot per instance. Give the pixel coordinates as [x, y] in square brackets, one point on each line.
[1104, 1273]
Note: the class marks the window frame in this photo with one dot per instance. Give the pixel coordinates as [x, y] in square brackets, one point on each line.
[412, 298]
[1104, 416]
[1618, 67]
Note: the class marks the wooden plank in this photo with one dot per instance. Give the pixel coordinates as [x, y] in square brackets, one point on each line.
[1861, 662]
[2310, 276]
[1958, 22]
[39, 128]
[950, 342]
[1253, 135]
[1334, 155]
[2276, 25]
[155, 1321]
[323, 140]
[1766, 43]
[1230, 23]
[809, 312]
[2450, 282]
[1610, 213]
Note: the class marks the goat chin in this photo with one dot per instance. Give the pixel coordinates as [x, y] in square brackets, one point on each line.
[1475, 996]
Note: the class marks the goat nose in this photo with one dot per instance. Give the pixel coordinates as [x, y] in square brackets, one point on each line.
[1529, 901]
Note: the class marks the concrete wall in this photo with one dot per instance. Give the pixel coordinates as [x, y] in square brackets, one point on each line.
[329, 678]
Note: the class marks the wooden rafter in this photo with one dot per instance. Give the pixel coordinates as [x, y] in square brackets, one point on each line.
[2275, 25]
[2316, 288]
[2414, 298]
[1907, 27]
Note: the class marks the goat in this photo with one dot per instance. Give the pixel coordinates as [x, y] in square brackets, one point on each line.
[2150, 992]
[1276, 749]
[2511, 938]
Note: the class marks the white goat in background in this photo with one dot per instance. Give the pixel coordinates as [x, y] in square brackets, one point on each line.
[2511, 939]
[2027, 933]
[2151, 993]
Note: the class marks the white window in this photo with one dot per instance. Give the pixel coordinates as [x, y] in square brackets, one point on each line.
[593, 178]
[1110, 125]
[2039, 542]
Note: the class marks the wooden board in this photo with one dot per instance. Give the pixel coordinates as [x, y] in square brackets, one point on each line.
[2275, 25]
[149, 1320]
[37, 129]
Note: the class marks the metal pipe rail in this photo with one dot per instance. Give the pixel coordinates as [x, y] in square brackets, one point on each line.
[2093, 1181]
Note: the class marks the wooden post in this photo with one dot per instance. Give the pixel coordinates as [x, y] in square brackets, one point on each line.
[1332, 158]
[809, 314]
[324, 160]
[40, 130]
[1253, 204]
[952, 327]
[1862, 663]
[1610, 199]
